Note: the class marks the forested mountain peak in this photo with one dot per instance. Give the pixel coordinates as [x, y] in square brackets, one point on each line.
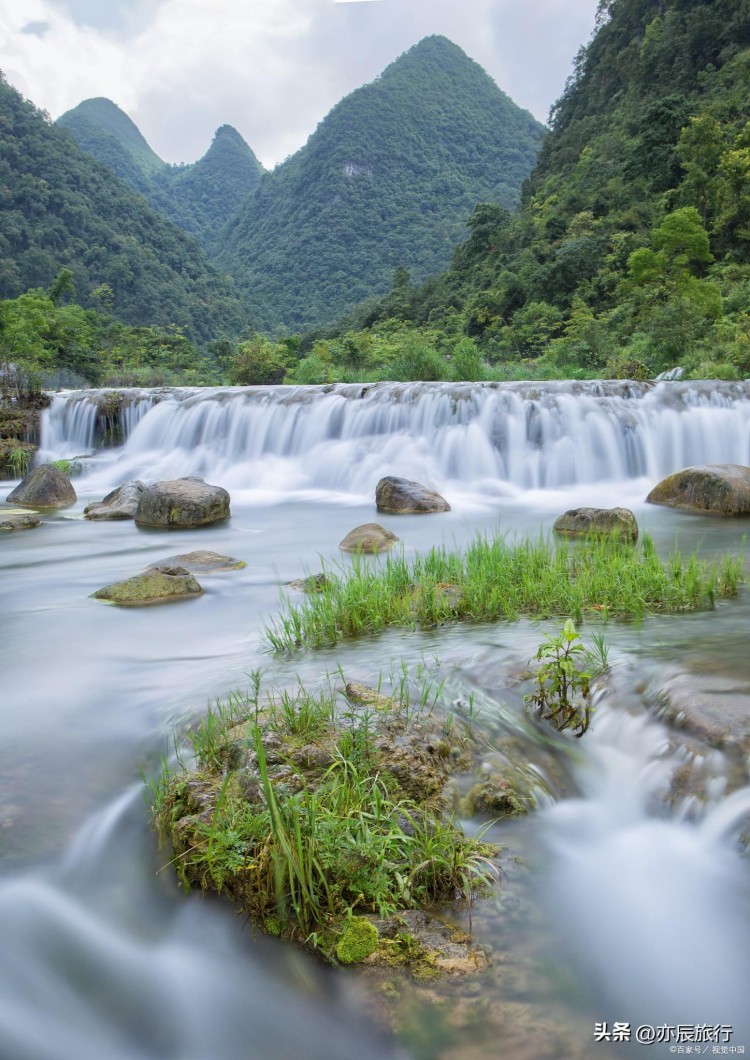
[200, 197]
[388, 178]
[94, 121]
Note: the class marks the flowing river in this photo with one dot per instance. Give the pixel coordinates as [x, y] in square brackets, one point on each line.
[625, 897]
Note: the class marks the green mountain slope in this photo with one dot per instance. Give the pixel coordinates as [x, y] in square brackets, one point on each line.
[200, 197]
[631, 253]
[61, 208]
[388, 179]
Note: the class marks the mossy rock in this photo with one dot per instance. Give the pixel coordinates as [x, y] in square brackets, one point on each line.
[165, 585]
[707, 489]
[401, 496]
[12, 519]
[359, 940]
[201, 562]
[44, 487]
[182, 504]
[369, 537]
[598, 522]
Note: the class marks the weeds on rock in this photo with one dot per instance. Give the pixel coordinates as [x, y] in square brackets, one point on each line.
[563, 682]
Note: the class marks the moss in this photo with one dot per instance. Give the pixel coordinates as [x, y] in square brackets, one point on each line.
[359, 940]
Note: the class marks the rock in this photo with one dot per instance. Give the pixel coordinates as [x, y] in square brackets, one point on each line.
[713, 708]
[712, 489]
[369, 537]
[313, 583]
[364, 696]
[182, 504]
[401, 496]
[598, 522]
[121, 503]
[44, 487]
[152, 587]
[17, 520]
[201, 562]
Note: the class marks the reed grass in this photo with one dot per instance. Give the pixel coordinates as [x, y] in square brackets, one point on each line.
[495, 580]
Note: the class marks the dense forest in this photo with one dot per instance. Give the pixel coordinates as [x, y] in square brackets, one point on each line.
[631, 252]
[62, 209]
[388, 179]
[200, 198]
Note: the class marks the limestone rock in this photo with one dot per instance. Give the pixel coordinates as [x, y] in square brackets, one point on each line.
[401, 496]
[708, 489]
[44, 487]
[121, 503]
[183, 503]
[201, 561]
[313, 583]
[369, 537]
[598, 522]
[152, 587]
[17, 520]
[714, 708]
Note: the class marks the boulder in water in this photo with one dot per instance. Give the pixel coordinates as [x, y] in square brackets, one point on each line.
[155, 586]
[598, 522]
[401, 496]
[44, 487]
[17, 520]
[201, 562]
[121, 503]
[708, 489]
[369, 537]
[182, 504]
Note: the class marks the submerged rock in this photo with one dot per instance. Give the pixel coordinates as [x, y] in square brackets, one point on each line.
[369, 537]
[598, 522]
[401, 496]
[121, 503]
[155, 586]
[201, 561]
[17, 520]
[313, 583]
[709, 489]
[713, 708]
[44, 487]
[183, 503]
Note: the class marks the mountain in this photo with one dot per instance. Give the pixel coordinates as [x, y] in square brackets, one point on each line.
[200, 197]
[388, 179]
[62, 208]
[631, 252]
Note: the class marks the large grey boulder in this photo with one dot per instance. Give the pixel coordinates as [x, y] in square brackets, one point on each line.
[121, 503]
[401, 496]
[44, 487]
[598, 522]
[708, 489]
[155, 586]
[370, 537]
[182, 504]
[11, 519]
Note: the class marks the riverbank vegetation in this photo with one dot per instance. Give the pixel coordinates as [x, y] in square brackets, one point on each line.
[493, 580]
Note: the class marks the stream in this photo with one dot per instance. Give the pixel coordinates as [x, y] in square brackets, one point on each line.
[623, 901]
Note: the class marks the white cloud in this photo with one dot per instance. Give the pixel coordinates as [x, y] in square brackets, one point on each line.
[271, 68]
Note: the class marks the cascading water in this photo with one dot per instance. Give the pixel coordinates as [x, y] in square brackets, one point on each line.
[646, 897]
[465, 437]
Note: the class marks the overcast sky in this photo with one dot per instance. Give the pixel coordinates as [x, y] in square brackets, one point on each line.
[271, 68]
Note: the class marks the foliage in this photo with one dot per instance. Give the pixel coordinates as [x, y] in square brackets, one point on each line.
[303, 848]
[61, 209]
[492, 579]
[563, 688]
[388, 179]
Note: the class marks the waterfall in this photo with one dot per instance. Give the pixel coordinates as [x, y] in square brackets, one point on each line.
[500, 437]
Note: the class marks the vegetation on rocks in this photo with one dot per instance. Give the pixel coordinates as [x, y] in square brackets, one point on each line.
[320, 816]
[492, 579]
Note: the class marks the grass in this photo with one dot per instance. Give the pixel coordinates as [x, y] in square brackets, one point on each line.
[492, 579]
[301, 858]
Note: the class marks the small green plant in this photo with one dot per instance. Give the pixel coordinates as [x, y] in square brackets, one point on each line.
[68, 467]
[18, 461]
[563, 687]
[359, 940]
